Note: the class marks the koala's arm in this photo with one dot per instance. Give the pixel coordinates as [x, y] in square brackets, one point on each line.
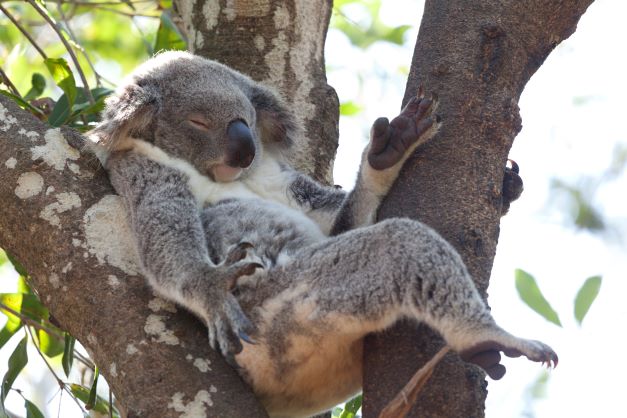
[172, 246]
[391, 143]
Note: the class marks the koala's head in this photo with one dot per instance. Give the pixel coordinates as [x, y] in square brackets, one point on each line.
[200, 111]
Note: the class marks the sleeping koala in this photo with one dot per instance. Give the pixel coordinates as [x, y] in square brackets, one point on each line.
[261, 252]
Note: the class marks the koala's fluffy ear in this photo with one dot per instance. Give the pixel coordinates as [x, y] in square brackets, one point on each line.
[275, 121]
[128, 113]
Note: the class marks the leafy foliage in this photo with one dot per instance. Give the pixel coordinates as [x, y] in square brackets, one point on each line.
[530, 293]
[369, 30]
[17, 362]
[586, 296]
[350, 409]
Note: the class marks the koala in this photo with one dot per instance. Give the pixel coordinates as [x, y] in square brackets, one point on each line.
[288, 274]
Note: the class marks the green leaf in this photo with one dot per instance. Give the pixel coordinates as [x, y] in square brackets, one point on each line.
[351, 407]
[64, 78]
[68, 354]
[3, 257]
[350, 108]
[537, 390]
[10, 328]
[38, 85]
[17, 266]
[586, 296]
[26, 304]
[91, 400]
[23, 286]
[168, 35]
[17, 361]
[50, 345]
[101, 405]
[530, 293]
[31, 410]
[22, 103]
[63, 113]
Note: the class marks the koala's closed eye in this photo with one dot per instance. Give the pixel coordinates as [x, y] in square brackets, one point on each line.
[199, 123]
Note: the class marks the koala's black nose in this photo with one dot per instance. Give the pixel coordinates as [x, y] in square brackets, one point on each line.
[241, 148]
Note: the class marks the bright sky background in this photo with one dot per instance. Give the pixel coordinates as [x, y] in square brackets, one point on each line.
[572, 111]
[560, 138]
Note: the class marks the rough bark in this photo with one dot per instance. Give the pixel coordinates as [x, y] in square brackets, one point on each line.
[280, 43]
[61, 220]
[477, 56]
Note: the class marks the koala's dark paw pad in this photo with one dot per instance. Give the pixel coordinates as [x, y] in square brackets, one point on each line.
[391, 140]
[512, 185]
[487, 355]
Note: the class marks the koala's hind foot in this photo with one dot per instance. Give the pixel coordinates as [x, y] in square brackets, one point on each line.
[486, 354]
[392, 140]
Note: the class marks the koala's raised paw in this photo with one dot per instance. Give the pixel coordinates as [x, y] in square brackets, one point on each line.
[390, 141]
[487, 355]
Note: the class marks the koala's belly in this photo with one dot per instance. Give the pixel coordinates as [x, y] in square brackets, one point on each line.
[275, 230]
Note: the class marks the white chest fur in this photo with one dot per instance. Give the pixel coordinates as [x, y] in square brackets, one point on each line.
[268, 183]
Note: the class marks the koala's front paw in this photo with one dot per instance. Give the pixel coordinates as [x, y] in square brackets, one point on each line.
[226, 321]
[487, 354]
[390, 141]
[512, 186]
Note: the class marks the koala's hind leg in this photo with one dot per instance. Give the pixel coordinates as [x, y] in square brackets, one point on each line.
[367, 279]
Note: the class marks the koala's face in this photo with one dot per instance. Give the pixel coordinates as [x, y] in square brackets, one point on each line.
[208, 121]
[200, 111]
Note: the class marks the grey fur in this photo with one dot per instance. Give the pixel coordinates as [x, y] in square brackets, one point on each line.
[273, 255]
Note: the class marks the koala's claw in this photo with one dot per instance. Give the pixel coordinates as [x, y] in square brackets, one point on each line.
[228, 327]
[391, 140]
[487, 355]
[245, 337]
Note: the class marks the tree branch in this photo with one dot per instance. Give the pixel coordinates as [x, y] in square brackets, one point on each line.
[478, 56]
[76, 248]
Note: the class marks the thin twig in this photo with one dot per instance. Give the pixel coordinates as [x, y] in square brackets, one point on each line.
[8, 83]
[110, 403]
[75, 39]
[24, 32]
[99, 3]
[61, 383]
[86, 361]
[67, 45]
[401, 404]
[123, 13]
[30, 321]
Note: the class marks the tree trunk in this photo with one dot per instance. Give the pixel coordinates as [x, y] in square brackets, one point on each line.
[477, 56]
